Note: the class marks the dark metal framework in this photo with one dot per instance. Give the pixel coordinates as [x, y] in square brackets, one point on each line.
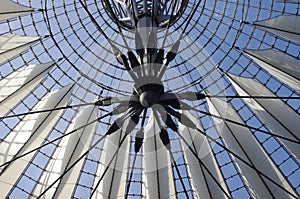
[219, 28]
[117, 10]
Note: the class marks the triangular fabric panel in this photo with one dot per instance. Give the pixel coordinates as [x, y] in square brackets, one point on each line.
[69, 150]
[273, 113]
[30, 133]
[9, 9]
[158, 174]
[11, 45]
[113, 185]
[19, 84]
[282, 66]
[287, 27]
[241, 141]
[278, 109]
[201, 182]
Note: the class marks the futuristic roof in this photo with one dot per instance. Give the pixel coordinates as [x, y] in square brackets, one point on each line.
[149, 99]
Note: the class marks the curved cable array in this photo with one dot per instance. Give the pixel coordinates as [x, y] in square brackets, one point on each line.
[149, 99]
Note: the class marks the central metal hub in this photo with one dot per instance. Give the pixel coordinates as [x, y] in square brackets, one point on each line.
[126, 13]
[149, 94]
[149, 98]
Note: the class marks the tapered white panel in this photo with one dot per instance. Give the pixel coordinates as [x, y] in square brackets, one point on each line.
[19, 84]
[159, 181]
[266, 116]
[9, 9]
[202, 182]
[279, 110]
[30, 133]
[113, 185]
[242, 142]
[287, 27]
[11, 45]
[281, 65]
[69, 150]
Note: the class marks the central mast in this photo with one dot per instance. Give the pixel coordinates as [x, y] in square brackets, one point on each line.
[146, 18]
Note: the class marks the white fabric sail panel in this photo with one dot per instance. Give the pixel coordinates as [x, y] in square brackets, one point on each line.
[31, 125]
[19, 84]
[241, 141]
[267, 119]
[9, 9]
[30, 133]
[281, 65]
[113, 185]
[200, 177]
[278, 109]
[157, 164]
[11, 45]
[287, 27]
[69, 150]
